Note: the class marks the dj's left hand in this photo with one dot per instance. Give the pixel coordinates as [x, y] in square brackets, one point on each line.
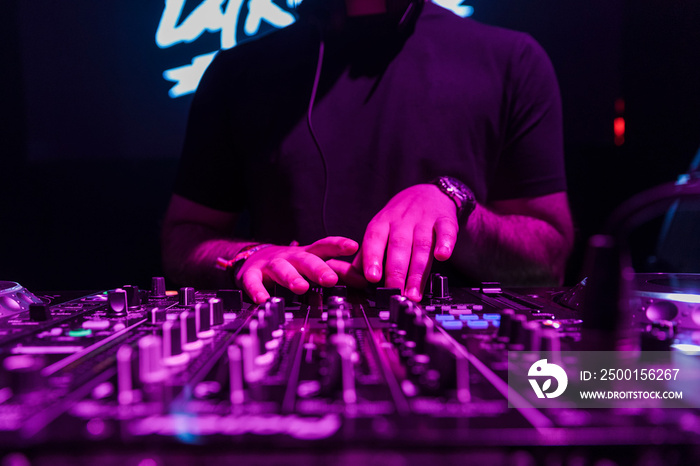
[417, 224]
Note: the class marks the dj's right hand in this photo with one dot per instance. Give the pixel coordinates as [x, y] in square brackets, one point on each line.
[292, 266]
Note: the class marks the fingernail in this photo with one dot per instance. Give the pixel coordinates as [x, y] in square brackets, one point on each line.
[443, 251]
[260, 298]
[413, 294]
[328, 279]
[374, 272]
[298, 283]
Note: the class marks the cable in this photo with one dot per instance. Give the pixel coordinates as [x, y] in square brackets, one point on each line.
[312, 99]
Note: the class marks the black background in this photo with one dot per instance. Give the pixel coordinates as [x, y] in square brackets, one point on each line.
[90, 139]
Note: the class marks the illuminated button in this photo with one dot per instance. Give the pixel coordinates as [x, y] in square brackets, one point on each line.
[56, 331]
[82, 332]
[96, 324]
[452, 324]
[430, 308]
[443, 317]
[478, 307]
[468, 317]
[477, 324]
[491, 316]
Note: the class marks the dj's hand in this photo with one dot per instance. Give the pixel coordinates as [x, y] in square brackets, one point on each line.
[288, 265]
[417, 224]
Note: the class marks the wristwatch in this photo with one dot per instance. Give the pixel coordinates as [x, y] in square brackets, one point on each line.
[461, 195]
[232, 266]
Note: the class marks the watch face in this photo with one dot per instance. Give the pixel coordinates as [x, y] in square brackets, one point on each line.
[460, 194]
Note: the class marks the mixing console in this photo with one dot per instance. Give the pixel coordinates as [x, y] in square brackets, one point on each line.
[138, 368]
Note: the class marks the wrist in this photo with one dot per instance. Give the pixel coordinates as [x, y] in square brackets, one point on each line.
[233, 266]
[459, 193]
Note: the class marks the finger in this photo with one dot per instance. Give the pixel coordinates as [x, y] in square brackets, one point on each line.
[398, 257]
[284, 273]
[252, 281]
[357, 260]
[373, 247]
[446, 230]
[333, 246]
[421, 260]
[314, 268]
[348, 273]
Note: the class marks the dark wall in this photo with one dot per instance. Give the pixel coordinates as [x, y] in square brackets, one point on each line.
[84, 217]
[660, 65]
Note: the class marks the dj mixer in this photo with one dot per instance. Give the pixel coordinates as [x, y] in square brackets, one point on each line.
[130, 370]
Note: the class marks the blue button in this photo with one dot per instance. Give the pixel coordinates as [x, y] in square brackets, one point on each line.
[496, 323]
[452, 325]
[469, 317]
[441, 317]
[477, 324]
[492, 316]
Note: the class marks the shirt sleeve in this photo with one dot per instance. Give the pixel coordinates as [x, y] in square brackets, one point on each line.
[209, 172]
[531, 163]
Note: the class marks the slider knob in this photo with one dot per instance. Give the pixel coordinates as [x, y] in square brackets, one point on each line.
[418, 333]
[118, 303]
[156, 315]
[127, 370]
[406, 314]
[517, 336]
[22, 374]
[264, 331]
[506, 323]
[532, 336]
[187, 296]
[151, 369]
[158, 287]
[550, 340]
[439, 286]
[278, 305]
[172, 344]
[235, 366]
[394, 305]
[271, 314]
[338, 303]
[133, 295]
[216, 310]
[203, 316]
[338, 290]
[336, 322]
[188, 324]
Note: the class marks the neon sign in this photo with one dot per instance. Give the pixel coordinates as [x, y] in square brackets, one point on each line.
[224, 17]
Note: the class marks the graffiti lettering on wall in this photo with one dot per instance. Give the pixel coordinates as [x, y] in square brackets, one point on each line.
[224, 17]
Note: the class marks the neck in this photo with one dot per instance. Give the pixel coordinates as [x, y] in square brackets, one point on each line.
[365, 7]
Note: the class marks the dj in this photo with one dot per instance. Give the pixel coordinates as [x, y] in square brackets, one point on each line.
[386, 126]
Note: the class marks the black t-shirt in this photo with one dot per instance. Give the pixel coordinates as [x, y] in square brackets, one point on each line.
[456, 98]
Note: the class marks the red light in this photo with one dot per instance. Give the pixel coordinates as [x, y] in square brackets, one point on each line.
[619, 129]
[620, 106]
[619, 126]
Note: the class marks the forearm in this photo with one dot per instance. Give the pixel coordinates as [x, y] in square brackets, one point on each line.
[511, 248]
[190, 251]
